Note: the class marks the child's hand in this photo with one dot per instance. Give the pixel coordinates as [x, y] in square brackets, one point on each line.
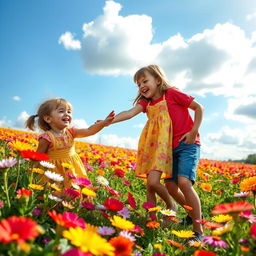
[108, 120]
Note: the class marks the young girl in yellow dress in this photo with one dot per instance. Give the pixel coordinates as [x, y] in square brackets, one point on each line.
[169, 145]
[54, 117]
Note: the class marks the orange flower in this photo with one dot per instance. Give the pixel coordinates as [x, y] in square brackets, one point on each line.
[234, 207]
[153, 224]
[17, 229]
[204, 253]
[123, 246]
[176, 244]
[248, 184]
[206, 187]
[188, 207]
[100, 172]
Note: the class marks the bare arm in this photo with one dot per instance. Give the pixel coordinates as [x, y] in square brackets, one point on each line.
[190, 136]
[93, 129]
[43, 146]
[128, 114]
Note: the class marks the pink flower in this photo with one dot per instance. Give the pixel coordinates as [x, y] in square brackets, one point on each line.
[215, 241]
[126, 182]
[88, 205]
[76, 252]
[6, 163]
[83, 182]
[72, 192]
[131, 200]
[253, 231]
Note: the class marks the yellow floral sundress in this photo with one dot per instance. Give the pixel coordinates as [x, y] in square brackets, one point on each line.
[63, 151]
[155, 144]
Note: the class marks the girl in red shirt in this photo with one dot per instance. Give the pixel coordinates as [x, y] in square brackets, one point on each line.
[169, 144]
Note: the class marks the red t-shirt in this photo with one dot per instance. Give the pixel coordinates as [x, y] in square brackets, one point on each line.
[177, 103]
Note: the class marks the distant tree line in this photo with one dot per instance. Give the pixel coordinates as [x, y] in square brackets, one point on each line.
[251, 159]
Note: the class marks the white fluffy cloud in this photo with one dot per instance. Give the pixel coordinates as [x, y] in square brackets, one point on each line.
[21, 119]
[16, 98]
[220, 60]
[230, 143]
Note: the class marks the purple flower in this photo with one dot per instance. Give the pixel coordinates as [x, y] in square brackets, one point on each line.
[6, 163]
[125, 213]
[106, 231]
[37, 212]
[46, 240]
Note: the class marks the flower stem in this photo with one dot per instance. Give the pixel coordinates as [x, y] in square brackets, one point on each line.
[6, 188]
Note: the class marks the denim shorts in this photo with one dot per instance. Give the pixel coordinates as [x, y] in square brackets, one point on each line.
[185, 160]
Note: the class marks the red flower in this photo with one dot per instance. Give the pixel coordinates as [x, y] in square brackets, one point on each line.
[131, 200]
[148, 205]
[17, 229]
[119, 173]
[72, 193]
[113, 204]
[204, 253]
[123, 246]
[67, 219]
[253, 231]
[23, 192]
[234, 207]
[112, 191]
[29, 154]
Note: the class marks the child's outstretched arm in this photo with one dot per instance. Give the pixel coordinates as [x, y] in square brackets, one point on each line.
[190, 137]
[125, 115]
[91, 130]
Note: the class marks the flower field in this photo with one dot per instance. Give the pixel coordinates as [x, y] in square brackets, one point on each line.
[107, 214]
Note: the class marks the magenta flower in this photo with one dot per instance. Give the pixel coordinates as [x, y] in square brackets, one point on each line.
[6, 163]
[76, 252]
[215, 241]
[88, 206]
[126, 182]
[148, 205]
[83, 182]
[106, 231]
[72, 192]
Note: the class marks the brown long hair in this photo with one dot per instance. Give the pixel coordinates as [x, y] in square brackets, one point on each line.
[45, 109]
[155, 71]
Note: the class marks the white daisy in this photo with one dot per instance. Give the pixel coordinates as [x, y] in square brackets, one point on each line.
[102, 181]
[168, 212]
[47, 164]
[55, 198]
[127, 234]
[53, 176]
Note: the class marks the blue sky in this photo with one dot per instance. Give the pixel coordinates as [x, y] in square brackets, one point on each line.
[88, 50]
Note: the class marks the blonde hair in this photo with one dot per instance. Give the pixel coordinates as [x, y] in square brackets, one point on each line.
[45, 109]
[155, 71]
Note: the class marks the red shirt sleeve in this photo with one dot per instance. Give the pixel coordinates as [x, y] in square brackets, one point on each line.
[144, 104]
[179, 97]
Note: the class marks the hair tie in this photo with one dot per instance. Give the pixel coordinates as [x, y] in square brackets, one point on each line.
[35, 115]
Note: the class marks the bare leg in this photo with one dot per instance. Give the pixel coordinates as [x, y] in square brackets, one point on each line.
[192, 200]
[154, 186]
[175, 192]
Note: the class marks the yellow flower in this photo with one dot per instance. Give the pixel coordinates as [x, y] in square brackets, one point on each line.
[183, 233]
[89, 241]
[121, 223]
[20, 146]
[248, 184]
[222, 218]
[38, 170]
[67, 205]
[158, 246]
[55, 187]
[222, 230]
[88, 192]
[36, 187]
[155, 209]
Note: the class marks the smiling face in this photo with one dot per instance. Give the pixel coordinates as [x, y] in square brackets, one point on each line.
[60, 118]
[149, 86]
